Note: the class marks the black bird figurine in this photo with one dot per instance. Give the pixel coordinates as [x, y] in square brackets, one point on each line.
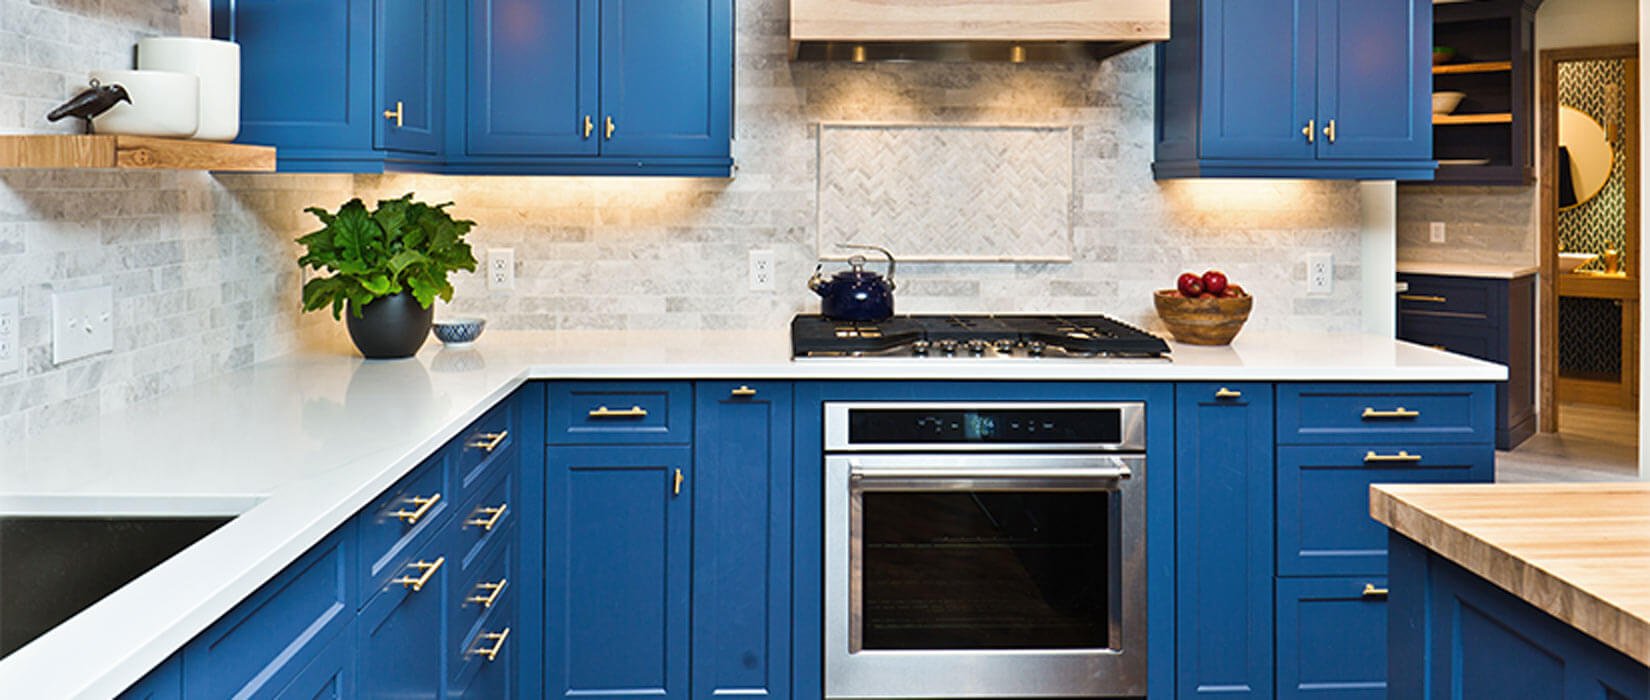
[97, 99]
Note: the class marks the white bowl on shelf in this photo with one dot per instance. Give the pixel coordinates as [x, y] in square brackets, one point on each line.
[1445, 102]
[217, 64]
[1568, 262]
[164, 104]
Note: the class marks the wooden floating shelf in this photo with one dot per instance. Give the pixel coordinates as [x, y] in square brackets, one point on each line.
[109, 152]
[1485, 67]
[1458, 119]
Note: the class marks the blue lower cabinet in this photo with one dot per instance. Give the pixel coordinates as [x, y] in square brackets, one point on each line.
[1332, 638]
[163, 683]
[261, 645]
[1223, 590]
[487, 656]
[331, 676]
[1452, 634]
[618, 560]
[741, 539]
[398, 636]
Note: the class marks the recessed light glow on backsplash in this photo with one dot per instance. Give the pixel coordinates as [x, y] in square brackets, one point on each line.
[1258, 202]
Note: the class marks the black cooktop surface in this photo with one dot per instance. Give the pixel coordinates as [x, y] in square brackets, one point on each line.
[1035, 335]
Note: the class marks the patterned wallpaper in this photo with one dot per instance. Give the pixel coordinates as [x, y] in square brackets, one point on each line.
[1600, 223]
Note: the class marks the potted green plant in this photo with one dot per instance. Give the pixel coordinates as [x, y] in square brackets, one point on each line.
[387, 266]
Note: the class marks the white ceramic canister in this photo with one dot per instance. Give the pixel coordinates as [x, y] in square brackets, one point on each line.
[163, 104]
[218, 66]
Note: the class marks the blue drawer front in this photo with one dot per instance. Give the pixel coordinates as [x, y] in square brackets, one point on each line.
[261, 645]
[388, 541]
[398, 634]
[1450, 297]
[488, 587]
[487, 443]
[1341, 414]
[621, 413]
[1332, 638]
[1324, 528]
[483, 524]
[480, 677]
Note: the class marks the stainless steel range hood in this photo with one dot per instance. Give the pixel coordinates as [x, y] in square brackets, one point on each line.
[973, 30]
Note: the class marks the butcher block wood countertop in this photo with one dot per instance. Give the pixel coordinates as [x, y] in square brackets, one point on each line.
[1579, 552]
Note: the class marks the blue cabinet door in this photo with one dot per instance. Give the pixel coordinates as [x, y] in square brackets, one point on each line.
[1375, 79]
[1332, 638]
[666, 70]
[1223, 504]
[618, 560]
[398, 633]
[1259, 81]
[532, 68]
[305, 71]
[407, 54]
[741, 540]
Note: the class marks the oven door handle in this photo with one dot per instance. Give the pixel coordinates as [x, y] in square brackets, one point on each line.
[999, 473]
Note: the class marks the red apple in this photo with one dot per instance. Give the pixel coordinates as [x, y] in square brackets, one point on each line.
[1190, 285]
[1214, 281]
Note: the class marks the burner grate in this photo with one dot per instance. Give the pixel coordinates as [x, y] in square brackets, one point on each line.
[1070, 336]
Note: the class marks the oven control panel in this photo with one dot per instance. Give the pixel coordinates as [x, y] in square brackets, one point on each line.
[897, 427]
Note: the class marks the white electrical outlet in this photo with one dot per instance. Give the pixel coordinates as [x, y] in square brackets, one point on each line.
[83, 323]
[761, 271]
[501, 268]
[1320, 273]
[1438, 233]
[11, 353]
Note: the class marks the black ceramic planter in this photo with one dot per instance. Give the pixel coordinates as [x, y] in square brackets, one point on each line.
[390, 327]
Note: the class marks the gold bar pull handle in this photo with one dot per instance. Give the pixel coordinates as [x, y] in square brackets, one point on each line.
[417, 583]
[744, 391]
[1428, 298]
[497, 638]
[1330, 131]
[605, 412]
[589, 125]
[493, 590]
[1370, 591]
[609, 128]
[1402, 456]
[489, 517]
[1399, 412]
[1225, 393]
[676, 487]
[489, 441]
[396, 113]
[1310, 131]
[411, 517]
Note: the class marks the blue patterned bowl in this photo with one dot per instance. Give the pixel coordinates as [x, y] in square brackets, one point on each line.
[459, 332]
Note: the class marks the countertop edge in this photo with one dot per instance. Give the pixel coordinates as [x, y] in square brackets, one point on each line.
[1628, 635]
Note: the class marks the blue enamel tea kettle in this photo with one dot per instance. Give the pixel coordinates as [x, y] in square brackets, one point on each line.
[856, 294]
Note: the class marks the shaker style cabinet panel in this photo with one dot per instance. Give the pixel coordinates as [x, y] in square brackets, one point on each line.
[618, 586]
[532, 78]
[1490, 319]
[1331, 89]
[1332, 638]
[1223, 591]
[407, 46]
[741, 540]
[665, 91]
[399, 641]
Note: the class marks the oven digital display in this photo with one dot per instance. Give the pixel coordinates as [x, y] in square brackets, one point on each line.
[872, 426]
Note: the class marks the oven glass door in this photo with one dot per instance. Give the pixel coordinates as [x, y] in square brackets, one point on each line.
[954, 556]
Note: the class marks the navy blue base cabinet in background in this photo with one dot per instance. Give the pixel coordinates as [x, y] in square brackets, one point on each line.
[512, 87]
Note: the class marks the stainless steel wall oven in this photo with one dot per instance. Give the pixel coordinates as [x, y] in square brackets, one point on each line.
[986, 550]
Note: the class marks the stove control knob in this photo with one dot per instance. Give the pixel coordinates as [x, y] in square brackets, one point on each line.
[948, 347]
[1034, 348]
[977, 347]
[1005, 346]
[921, 347]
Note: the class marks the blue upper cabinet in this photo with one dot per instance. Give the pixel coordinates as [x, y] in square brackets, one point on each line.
[407, 53]
[665, 87]
[1329, 89]
[532, 72]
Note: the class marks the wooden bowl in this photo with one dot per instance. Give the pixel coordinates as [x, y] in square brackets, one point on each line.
[1212, 321]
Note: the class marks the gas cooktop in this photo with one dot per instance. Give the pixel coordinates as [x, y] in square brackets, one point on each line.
[1020, 336]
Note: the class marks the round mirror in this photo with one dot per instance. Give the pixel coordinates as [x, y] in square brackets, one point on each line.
[1585, 158]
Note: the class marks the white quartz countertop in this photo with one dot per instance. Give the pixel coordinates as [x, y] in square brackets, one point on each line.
[296, 445]
[1484, 270]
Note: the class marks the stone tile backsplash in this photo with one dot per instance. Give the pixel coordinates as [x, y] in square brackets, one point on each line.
[205, 280]
[1491, 225]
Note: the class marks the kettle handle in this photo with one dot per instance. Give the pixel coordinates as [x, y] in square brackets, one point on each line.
[879, 249]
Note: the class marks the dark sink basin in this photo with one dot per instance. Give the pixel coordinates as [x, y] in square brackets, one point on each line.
[53, 567]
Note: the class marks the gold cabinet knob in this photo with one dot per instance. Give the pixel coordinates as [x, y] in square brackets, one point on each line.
[1370, 591]
[423, 506]
[1310, 131]
[589, 126]
[744, 391]
[395, 114]
[1225, 393]
[610, 127]
[676, 487]
[428, 569]
[1329, 131]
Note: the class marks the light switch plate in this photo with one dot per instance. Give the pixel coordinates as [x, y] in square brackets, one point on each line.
[1437, 232]
[83, 323]
[11, 353]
